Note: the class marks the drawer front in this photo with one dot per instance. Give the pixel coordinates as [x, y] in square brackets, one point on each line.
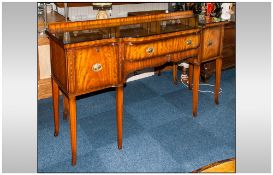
[139, 51]
[211, 43]
[96, 67]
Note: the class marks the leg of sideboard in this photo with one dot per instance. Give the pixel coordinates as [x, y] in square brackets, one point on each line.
[55, 97]
[73, 128]
[119, 103]
[190, 76]
[66, 107]
[196, 76]
[217, 79]
[159, 72]
[175, 73]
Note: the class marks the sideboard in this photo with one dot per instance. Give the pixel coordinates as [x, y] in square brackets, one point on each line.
[92, 55]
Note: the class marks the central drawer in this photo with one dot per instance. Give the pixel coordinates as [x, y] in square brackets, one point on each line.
[96, 67]
[135, 51]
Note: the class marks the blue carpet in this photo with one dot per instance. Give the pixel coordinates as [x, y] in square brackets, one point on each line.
[160, 134]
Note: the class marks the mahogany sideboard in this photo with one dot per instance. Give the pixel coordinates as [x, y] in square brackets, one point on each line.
[92, 55]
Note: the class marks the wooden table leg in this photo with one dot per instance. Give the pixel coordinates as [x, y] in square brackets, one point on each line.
[190, 76]
[175, 73]
[55, 96]
[217, 79]
[196, 76]
[159, 72]
[73, 128]
[119, 103]
[66, 107]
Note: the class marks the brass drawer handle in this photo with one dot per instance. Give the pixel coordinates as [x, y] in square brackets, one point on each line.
[97, 67]
[189, 42]
[150, 50]
[209, 43]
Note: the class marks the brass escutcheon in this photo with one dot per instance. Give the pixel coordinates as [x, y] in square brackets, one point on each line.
[189, 42]
[209, 43]
[97, 67]
[150, 50]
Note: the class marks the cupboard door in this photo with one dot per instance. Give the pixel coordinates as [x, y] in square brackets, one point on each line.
[96, 67]
[211, 43]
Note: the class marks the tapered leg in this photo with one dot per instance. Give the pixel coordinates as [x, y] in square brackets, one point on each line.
[190, 76]
[119, 103]
[55, 96]
[217, 79]
[73, 128]
[196, 75]
[66, 107]
[175, 73]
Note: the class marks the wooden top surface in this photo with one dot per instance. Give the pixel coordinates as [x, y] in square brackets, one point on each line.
[126, 27]
[105, 33]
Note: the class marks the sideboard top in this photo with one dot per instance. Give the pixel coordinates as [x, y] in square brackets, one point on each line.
[127, 27]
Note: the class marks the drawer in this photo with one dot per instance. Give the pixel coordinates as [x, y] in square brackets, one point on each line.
[211, 43]
[137, 51]
[96, 67]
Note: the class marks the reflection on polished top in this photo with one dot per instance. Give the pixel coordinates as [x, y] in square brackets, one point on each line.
[72, 35]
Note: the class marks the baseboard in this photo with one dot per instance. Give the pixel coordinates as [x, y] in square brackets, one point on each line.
[44, 88]
[140, 76]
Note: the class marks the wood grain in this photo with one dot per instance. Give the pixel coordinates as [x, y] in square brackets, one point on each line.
[87, 79]
[190, 76]
[175, 73]
[131, 66]
[73, 128]
[196, 75]
[119, 115]
[55, 93]
[211, 43]
[66, 107]
[114, 22]
[217, 79]
[223, 166]
[138, 51]
[58, 64]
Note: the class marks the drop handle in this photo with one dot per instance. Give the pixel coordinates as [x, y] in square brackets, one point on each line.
[209, 43]
[150, 50]
[97, 67]
[189, 42]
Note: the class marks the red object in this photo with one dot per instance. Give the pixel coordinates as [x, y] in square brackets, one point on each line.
[209, 8]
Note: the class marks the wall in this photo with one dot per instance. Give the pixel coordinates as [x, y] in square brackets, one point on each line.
[87, 13]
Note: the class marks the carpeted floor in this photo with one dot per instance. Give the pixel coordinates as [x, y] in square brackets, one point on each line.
[159, 133]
